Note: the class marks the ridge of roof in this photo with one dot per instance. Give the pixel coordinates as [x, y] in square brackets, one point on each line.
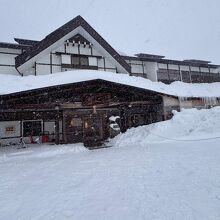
[25, 41]
[61, 32]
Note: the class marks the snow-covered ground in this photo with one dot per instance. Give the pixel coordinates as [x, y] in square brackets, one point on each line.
[135, 180]
[11, 84]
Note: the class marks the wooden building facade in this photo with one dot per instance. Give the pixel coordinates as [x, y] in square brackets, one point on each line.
[77, 112]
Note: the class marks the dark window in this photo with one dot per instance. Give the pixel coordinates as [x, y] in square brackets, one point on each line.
[84, 61]
[206, 77]
[163, 75]
[31, 128]
[216, 77]
[78, 61]
[185, 76]
[196, 77]
[174, 75]
[75, 61]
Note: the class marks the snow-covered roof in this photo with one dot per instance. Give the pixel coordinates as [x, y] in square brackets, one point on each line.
[11, 83]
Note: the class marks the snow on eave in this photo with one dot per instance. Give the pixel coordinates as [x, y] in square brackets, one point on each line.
[13, 84]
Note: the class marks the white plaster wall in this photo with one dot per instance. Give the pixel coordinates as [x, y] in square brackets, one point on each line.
[56, 59]
[173, 67]
[85, 50]
[111, 70]
[7, 59]
[136, 68]
[101, 63]
[184, 68]
[206, 70]
[30, 71]
[72, 48]
[60, 49]
[108, 64]
[15, 133]
[45, 59]
[95, 52]
[8, 70]
[162, 66]
[194, 68]
[42, 69]
[135, 62]
[4, 124]
[56, 69]
[7, 50]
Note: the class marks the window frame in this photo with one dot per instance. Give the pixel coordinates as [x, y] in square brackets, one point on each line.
[36, 130]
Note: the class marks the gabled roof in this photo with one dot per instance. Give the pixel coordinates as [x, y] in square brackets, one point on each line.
[63, 31]
[26, 41]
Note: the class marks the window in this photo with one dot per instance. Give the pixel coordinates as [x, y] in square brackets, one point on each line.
[216, 77]
[80, 61]
[75, 61]
[31, 128]
[174, 75]
[163, 75]
[84, 61]
[185, 76]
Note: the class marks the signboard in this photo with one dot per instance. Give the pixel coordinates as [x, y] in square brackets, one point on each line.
[9, 130]
[92, 99]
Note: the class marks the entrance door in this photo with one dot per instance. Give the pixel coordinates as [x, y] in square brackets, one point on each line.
[93, 131]
[74, 130]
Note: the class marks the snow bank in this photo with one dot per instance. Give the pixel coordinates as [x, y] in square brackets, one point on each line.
[189, 124]
[11, 84]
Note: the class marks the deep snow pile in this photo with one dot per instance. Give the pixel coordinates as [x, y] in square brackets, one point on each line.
[157, 181]
[189, 124]
[11, 84]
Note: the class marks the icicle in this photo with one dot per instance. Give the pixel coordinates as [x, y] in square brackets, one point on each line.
[210, 100]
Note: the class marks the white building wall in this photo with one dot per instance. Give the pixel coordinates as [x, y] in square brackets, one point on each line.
[101, 63]
[206, 70]
[7, 61]
[85, 50]
[42, 69]
[173, 67]
[56, 59]
[9, 129]
[56, 69]
[162, 66]
[72, 48]
[136, 69]
[194, 68]
[184, 67]
[8, 70]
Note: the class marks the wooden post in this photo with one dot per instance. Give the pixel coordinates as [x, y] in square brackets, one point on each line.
[57, 133]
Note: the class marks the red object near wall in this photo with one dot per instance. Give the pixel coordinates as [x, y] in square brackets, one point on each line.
[45, 138]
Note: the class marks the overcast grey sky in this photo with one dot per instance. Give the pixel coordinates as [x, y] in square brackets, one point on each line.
[178, 29]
